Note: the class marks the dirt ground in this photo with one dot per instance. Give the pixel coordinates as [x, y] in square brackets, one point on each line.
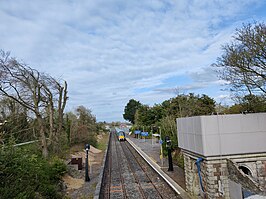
[76, 187]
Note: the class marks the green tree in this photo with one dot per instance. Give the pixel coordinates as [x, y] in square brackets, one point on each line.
[82, 127]
[130, 110]
[234, 109]
[243, 62]
[206, 105]
[254, 103]
[189, 105]
[248, 104]
[180, 106]
[148, 116]
[141, 116]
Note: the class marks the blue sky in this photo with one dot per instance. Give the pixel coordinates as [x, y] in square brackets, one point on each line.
[110, 51]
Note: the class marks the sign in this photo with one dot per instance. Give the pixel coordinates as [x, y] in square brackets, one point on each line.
[144, 134]
[137, 132]
[160, 141]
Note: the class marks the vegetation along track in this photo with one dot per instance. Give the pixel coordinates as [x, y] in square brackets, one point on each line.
[127, 175]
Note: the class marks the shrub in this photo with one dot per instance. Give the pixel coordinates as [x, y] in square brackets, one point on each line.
[24, 174]
[58, 168]
[92, 140]
[178, 158]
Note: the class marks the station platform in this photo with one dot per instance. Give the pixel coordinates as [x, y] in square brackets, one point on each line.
[151, 147]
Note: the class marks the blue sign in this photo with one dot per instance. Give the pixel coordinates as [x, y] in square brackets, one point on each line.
[160, 141]
[144, 133]
[137, 132]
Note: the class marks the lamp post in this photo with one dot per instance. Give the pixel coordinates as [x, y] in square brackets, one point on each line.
[169, 148]
[87, 178]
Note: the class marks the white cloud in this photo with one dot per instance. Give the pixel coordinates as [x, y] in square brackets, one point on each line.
[109, 50]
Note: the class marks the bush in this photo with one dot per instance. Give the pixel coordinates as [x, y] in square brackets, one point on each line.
[92, 140]
[58, 168]
[178, 158]
[24, 174]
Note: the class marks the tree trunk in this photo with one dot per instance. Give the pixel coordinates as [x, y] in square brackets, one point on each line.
[51, 122]
[61, 105]
[43, 137]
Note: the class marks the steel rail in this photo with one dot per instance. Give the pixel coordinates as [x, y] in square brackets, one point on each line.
[141, 187]
[156, 168]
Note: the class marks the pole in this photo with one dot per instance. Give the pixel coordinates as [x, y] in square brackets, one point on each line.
[161, 156]
[87, 178]
[142, 134]
[170, 161]
[152, 140]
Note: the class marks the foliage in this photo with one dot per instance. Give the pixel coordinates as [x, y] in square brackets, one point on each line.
[168, 128]
[68, 127]
[58, 168]
[189, 105]
[82, 126]
[102, 144]
[248, 104]
[165, 114]
[14, 121]
[254, 103]
[243, 62]
[161, 118]
[141, 116]
[41, 95]
[130, 110]
[178, 158]
[148, 116]
[100, 127]
[24, 174]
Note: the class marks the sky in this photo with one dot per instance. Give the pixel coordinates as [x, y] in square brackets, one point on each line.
[111, 51]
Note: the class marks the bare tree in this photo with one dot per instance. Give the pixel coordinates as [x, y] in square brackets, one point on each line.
[62, 99]
[243, 63]
[35, 91]
[55, 104]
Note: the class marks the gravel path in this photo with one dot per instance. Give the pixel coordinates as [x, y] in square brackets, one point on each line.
[88, 188]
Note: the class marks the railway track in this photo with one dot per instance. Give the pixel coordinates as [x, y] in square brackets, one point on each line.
[127, 175]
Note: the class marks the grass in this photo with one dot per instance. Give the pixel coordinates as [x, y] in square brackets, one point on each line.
[102, 143]
[178, 158]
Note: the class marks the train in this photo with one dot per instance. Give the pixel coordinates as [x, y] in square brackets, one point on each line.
[120, 134]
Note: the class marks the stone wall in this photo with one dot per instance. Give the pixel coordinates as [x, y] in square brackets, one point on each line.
[215, 175]
[191, 176]
[256, 163]
[246, 181]
[261, 171]
[214, 178]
